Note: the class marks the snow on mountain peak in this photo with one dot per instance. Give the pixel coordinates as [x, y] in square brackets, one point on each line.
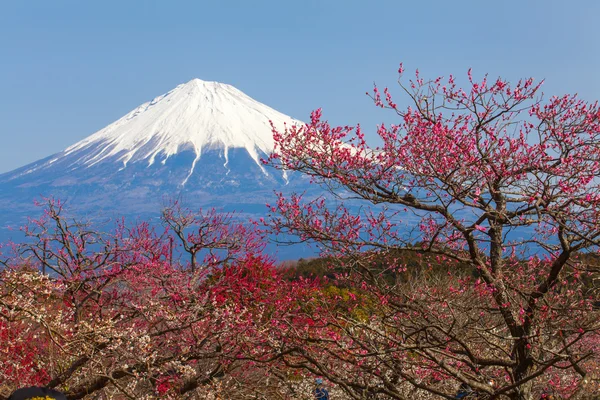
[197, 115]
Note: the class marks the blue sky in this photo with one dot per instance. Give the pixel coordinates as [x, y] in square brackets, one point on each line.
[69, 68]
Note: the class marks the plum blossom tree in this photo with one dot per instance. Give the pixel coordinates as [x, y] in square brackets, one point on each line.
[496, 184]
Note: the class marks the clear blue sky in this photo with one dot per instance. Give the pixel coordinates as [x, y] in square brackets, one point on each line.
[69, 68]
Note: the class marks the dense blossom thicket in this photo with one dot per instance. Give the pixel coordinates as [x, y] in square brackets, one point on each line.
[502, 188]
[145, 314]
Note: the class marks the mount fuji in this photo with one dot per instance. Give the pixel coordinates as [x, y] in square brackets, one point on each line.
[201, 142]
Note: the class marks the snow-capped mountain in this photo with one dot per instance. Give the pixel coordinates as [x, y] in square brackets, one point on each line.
[198, 117]
[202, 142]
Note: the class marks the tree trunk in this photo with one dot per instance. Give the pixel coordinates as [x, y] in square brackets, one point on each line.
[523, 369]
